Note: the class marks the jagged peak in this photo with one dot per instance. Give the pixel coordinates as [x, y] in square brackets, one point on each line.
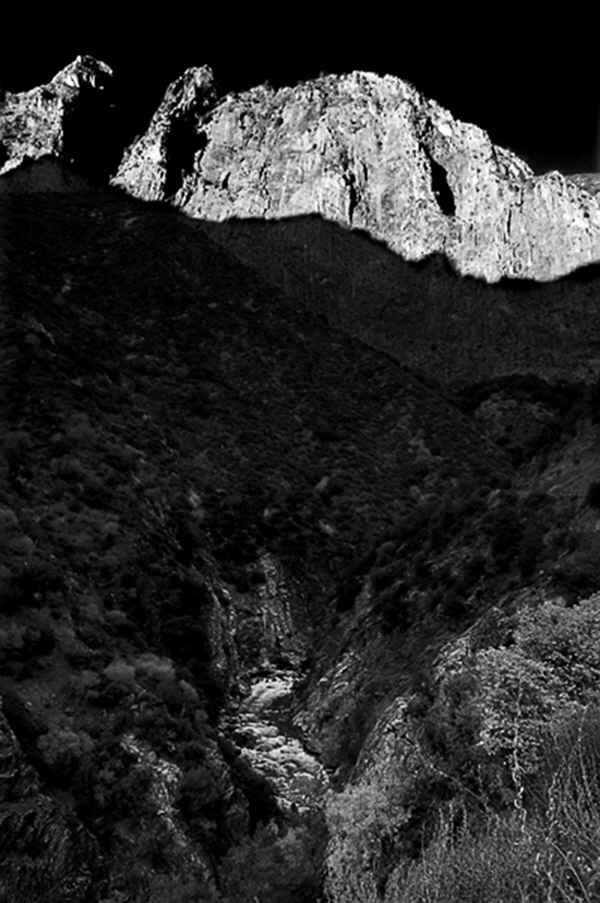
[84, 70]
[69, 117]
[196, 85]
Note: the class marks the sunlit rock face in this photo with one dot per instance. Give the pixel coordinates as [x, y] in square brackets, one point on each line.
[159, 160]
[588, 180]
[70, 118]
[369, 153]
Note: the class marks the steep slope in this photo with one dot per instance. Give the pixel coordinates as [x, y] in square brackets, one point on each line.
[455, 329]
[466, 750]
[190, 466]
[369, 153]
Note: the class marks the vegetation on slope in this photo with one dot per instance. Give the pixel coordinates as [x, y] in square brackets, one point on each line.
[168, 421]
[503, 792]
[491, 789]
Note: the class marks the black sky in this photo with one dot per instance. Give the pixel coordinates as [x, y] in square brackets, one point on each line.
[533, 85]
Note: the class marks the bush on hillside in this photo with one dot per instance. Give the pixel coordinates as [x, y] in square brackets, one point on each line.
[495, 865]
[547, 851]
[375, 824]
[277, 865]
[63, 750]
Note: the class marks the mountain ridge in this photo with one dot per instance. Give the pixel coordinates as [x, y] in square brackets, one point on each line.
[294, 180]
[372, 153]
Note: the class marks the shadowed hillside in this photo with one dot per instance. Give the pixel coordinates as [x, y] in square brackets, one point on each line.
[299, 541]
[456, 329]
[171, 424]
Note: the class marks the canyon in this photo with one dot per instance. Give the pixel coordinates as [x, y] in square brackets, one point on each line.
[298, 495]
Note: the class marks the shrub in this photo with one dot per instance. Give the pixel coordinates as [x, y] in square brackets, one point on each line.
[15, 448]
[120, 672]
[579, 572]
[63, 750]
[549, 853]
[453, 604]
[359, 820]
[565, 639]
[199, 793]
[154, 667]
[507, 535]
[572, 814]
[28, 585]
[495, 865]
[393, 606]
[277, 865]
[107, 788]
[180, 889]
[368, 825]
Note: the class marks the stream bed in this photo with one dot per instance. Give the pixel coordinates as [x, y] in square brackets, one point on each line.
[261, 721]
[263, 729]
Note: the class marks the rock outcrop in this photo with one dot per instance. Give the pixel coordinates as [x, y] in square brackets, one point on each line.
[71, 117]
[160, 161]
[369, 153]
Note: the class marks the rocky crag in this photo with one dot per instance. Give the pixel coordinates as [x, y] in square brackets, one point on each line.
[369, 153]
[71, 118]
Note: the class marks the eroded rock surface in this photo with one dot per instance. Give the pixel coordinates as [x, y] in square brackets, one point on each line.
[278, 177]
[588, 180]
[370, 153]
[70, 118]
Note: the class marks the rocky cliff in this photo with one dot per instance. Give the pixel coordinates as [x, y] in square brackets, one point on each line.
[369, 153]
[72, 117]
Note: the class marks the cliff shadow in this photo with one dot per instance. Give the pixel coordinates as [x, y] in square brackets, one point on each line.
[453, 328]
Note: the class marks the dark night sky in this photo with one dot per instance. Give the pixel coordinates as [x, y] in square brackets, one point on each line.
[534, 86]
